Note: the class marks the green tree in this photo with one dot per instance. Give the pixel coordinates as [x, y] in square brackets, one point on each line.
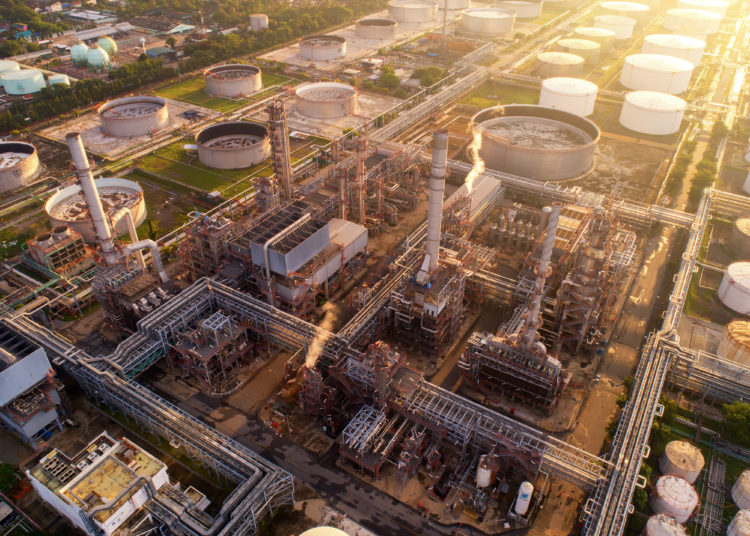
[736, 425]
[8, 478]
[640, 498]
[388, 78]
[670, 410]
[170, 41]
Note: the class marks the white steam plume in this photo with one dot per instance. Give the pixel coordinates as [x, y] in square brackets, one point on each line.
[318, 343]
[478, 168]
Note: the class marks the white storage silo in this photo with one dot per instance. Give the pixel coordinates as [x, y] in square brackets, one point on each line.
[487, 21]
[682, 459]
[715, 6]
[652, 112]
[604, 37]
[735, 345]
[734, 290]
[678, 46]
[551, 64]
[621, 26]
[574, 95]
[588, 50]
[258, 21]
[633, 10]
[741, 491]
[656, 72]
[746, 185]
[674, 496]
[415, 11]
[739, 240]
[692, 22]
[522, 9]
[61, 79]
[23, 82]
[664, 525]
[740, 525]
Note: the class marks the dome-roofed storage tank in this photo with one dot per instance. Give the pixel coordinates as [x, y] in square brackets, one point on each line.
[522, 9]
[588, 50]
[740, 525]
[573, 95]
[19, 165]
[98, 59]
[741, 491]
[322, 47]
[61, 79]
[678, 46]
[739, 240]
[324, 531]
[536, 142]
[23, 82]
[622, 26]
[79, 53]
[656, 72]
[133, 116]
[555, 64]
[233, 80]
[68, 207]
[326, 100]
[633, 10]
[674, 496]
[734, 289]
[7, 66]
[109, 46]
[374, 28]
[692, 22]
[258, 21]
[233, 145]
[664, 525]
[452, 5]
[604, 37]
[418, 11]
[652, 112]
[735, 345]
[487, 21]
[715, 6]
[682, 459]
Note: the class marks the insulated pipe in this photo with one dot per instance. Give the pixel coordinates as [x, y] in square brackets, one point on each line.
[155, 256]
[90, 194]
[124, 212]
[435, 205]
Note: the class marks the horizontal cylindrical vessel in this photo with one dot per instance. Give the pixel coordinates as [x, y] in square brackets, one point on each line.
[634, 10]
[692, 22]
[674, 496]
[735, 345]
[233, 145]
[19, 165]
[652, 112]
[656, 72]
[734, 289]
[678, 46]
[621, 26]
[233, 80]
[536, 142]
[412, 10]
[522, 9]
[715, 6]
[573, 95]
[487, 21]
[326, 100]
[258, 21]
[322, 47]
[682, 459]
[552, 64]
[23, 82]
[376, 28]
[588, 50]
[604, 37]
[133, 116]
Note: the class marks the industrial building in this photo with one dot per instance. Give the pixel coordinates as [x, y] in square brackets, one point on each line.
[133, 116]
[62, 251]
[19, 165]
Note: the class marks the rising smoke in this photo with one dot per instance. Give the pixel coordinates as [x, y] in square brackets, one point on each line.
[318, 343]
[478, 168]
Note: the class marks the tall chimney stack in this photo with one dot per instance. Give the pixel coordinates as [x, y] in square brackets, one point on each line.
[437, 187]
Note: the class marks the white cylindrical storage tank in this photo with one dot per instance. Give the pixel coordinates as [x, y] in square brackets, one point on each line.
[715, 6]
[61, 79]
[674, 496]
[133, 116]
[522, 9]
[233, 145]
[652, 112]
[324, 531]
[573, 95]
[68, 207]
[523, 499]
[373, 28]
[664, 525]
[746, 186]
[7, 66]
[487, 21]
[621, 26]
[326, 100]
[417, 11]
[588, 50]
[258, 21]
[233, 80]
[739, 240]
[634, 10]
[23, 82]
[656, 72]
[677, 46]
[682, 459]
[452, 5]
[554, 64]
[734, 290]
[604, 37]
[322, 47]
[740, 525]
[735, 345]
[692, 22]
[19, 165]
[741, 491]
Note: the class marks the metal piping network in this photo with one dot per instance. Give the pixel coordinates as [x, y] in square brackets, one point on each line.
[435, 207]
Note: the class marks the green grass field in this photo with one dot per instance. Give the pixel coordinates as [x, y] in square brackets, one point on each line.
[491, 94]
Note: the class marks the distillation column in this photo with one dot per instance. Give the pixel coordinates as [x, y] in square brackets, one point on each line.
[282, 161]
[435, 206]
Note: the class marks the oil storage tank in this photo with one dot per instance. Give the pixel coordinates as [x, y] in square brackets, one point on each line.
[233, 80]
[7, 66]
[604, 37]
[692, 22]
[573, 95]
[715, 6]
[488, 21]
[233, 145]
[98, 59]
[324, 531]
[109, 45]
[536, 142]
[734, 289]
[652, 112]
[322, 47]
[682, 459]
[741, 491]
[588, 50]
[19, 165]
[621, 26]
[552, 64]
[326, 100]
[258, 21]
[374, 28]
[79, 53]
[633, 10]
[522, 9]
[740, 525]
[133, 116]
[674, 496]
[452, 5]
[735, 345]
[61, 79]
[739, 240]
[656, 72]
[664, 525]
[678, 46]
[23, 82]
[412, 11]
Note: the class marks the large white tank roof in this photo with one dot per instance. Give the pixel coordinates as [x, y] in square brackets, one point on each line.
[656, 101]
[23, 81]
[570, 86]
[674, 496]
[324, 531]
[734, 290]
[659, 62]
[652, 112]
[683, 459]
[675, 41]
[740, 525]
[574, 95]
[9, 65]
[632, 7]
[716, 6]
[576, 43]
[593, 31]
[488, 13]
[621, 26]
[560, 58]
[656, 72]
[664, 525]
[679, 46]
[694, 22]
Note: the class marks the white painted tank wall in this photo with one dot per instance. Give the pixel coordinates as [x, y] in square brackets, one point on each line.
[655, 72]
[522, 9]
[488, 21]
[741, 491]
[678, 46]
[322, 107]
[622, 26]
[634, 10]
[376, 31]
[23, 82]
[454, 4]
[22, 173]
[587, 49]
[555, 64]
[716, 6]
[740, 525]
[126, 127]
[692, 22]
[573, 95]
[682, 459]
[414, 11]
[734, 290]
[674, 496]
[312, 49]
[247, 81]
[603, 36]
[651, 112]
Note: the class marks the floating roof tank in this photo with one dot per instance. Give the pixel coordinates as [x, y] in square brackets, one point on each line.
[574, 95]
[23, 82]
[634, 10]
[418, 11]
[741, 491]
[603, 36]
[692, 22]
[487, 21]
[98, 59]
[322, 47]
[664, 525]
[79, 53]
[621, 26]
[682, 459]
[374, 28]
[7, 66]
[739, 240]
[588, 50]
[735, 346]
[61, 79]
[552, 64]
[740, 525]
[233, 80]
[19, 165]
[656, 72]
[652, 112]
[133, 116]
[674, 496]
[326, 100]
[715, 6]
[233, 145]
[258, 21]
[522, 8]
[734, 290]
[109, 45]
[678, 46]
